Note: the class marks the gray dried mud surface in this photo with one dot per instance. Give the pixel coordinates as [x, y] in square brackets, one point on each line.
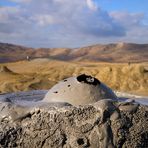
[104, 124]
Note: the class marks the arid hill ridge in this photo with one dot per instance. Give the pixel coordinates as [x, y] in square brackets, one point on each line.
[120, 52]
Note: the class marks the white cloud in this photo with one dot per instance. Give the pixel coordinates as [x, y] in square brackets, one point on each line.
[44, 19]
[128, 19]
[136, 30]
[62, 23]
[91, 4]
[5, 11]
[21, 1]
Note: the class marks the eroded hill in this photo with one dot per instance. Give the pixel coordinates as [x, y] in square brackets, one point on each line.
[44, 73]
[120, 52]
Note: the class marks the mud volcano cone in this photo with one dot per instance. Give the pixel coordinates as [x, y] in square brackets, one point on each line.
[79, 90]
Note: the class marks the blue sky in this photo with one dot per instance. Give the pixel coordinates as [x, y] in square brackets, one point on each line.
[6, 3]
[66, 23]
[125, 5]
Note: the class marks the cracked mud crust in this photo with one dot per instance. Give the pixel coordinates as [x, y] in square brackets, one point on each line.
[103, 124]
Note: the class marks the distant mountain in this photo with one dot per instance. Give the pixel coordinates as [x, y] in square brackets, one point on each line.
[120, 52]
[10, 52]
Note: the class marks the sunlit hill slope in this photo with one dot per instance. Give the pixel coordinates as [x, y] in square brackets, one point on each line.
[120, 52]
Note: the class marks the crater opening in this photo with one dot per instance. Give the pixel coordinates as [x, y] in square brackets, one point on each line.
[80, 141]
[88, 79]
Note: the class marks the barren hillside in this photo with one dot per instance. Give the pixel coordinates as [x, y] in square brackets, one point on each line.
[120, 52]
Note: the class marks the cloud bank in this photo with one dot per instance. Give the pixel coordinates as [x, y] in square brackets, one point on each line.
[65, 23]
